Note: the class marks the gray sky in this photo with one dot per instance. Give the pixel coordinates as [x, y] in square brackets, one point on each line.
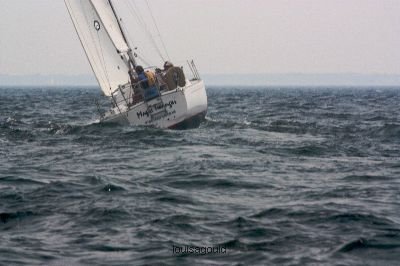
[223, 36]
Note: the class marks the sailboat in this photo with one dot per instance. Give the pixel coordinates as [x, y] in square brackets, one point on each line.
[164, 98]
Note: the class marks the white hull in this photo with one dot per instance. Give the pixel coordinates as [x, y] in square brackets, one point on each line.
[172, 109]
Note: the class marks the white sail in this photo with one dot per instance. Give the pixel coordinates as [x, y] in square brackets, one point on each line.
[102, 40]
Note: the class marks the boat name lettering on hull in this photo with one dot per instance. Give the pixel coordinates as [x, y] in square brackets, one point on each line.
[154, 108]
[160, 117]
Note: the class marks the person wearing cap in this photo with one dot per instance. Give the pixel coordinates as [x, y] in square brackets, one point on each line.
[135, 79]
[141, 77]
[168, 65]
[173, 76]
[147, 82]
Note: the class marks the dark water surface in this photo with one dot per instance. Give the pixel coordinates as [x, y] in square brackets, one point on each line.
[274, 177]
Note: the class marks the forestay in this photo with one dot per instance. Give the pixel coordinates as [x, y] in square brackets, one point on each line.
[102, 40]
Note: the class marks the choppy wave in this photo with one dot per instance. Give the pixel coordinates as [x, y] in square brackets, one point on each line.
[277, 176]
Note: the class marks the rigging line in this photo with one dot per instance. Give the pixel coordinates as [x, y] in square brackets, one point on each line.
[131, 60]
[136, 13]
[136, 9]
[143, 60]
[158, 30]
[133, 13]
[118, 22]
[147, 31]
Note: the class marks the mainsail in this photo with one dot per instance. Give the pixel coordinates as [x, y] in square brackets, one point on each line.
[103, 41]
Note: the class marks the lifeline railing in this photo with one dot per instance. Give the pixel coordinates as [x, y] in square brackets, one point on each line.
[193, 68]
[129, 95]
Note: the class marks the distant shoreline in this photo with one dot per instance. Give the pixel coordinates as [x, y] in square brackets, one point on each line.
[226, 80]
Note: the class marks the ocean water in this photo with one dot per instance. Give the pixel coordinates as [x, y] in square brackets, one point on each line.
[274, 176]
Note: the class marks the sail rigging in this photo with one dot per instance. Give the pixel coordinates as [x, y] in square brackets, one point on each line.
[106, 40]
[151, 49]
[164, 99]
[103, 41]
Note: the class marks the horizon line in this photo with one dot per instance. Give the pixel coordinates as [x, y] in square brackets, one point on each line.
[222, 74]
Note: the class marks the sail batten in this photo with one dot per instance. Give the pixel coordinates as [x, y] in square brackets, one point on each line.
[102, 40]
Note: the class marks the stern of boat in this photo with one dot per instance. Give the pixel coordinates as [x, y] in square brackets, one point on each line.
[182, 107]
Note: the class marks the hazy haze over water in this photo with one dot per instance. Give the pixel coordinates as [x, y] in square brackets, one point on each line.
[225, 36]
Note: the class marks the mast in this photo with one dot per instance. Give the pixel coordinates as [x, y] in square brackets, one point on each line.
[132, 60]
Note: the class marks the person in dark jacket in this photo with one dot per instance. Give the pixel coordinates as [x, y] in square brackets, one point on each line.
[168, 65]
[142, 77]
[150, 90]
